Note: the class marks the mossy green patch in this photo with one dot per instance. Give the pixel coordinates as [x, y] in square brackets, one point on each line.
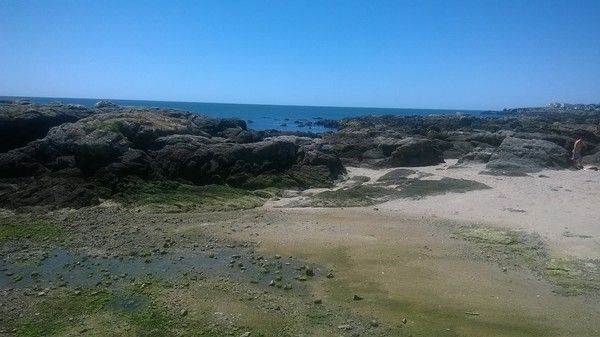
[571, 276]
[55, 312]
[488, 235]
[355, 196]
[367, 194]
[176, 197]
[416, 188]
[123, 312]
[113, 126]
[574, 276]
[396, 175]
[18, 228]
[298, 177]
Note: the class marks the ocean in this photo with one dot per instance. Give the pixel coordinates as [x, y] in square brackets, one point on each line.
[260, 116]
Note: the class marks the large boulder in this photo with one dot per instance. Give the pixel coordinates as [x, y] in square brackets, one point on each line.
[528, 155]
[201, 161]
[416, 152]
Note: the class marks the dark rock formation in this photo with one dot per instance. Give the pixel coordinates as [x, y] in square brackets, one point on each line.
[592, 159]
[370, 141]
[105, 149]
[416, 152]
[476, 156]
[22, 122]
[528, 155]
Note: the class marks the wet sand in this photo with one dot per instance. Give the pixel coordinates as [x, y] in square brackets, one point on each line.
[225, 273]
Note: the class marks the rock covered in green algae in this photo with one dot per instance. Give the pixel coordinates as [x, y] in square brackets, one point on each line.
[104, 149]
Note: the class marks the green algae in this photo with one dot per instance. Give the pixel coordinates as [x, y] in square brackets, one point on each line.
[295, 177]
[488, 235]
[355, 196]
[417, 188]
[571, 276]
[176, 197]
[18, 228]
[372, 194]
[396, 176]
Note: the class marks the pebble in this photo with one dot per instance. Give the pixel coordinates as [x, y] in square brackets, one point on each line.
[183, 312]
[356, 297]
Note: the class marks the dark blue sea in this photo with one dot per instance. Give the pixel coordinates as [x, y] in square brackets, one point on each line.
[263, 117]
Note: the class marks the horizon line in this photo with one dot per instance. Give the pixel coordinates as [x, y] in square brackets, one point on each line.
[262, 104]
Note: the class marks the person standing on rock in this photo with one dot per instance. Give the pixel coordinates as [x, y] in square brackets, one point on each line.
[576, 154]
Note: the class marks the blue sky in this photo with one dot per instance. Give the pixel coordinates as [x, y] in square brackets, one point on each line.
[418, 54]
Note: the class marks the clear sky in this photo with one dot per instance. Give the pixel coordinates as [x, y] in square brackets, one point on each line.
[481, 54]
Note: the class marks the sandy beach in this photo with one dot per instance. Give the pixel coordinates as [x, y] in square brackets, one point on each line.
[561, 206]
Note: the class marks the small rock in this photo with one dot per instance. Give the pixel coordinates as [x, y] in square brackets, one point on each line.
[309, 271]
[246, 334]
[345, 327]
[183, 312]
[330, 275]
[356, 297]
[374, 323]
[288, 286]
[404, 320]
[318, 301]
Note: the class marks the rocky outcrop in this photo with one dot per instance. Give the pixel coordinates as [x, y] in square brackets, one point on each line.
[592, 159]
[370, 141]
[22, 122]
[109, 147]
[415, 152]
[528, 155]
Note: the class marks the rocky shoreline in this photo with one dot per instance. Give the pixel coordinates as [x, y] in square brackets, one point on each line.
[66, 155]
[151, 222]
[101, 149]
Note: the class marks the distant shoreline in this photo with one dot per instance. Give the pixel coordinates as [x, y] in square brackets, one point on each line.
[263, 116]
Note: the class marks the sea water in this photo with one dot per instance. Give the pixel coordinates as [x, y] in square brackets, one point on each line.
[261, 116]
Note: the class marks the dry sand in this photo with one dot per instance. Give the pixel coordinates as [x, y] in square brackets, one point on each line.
[562, 206]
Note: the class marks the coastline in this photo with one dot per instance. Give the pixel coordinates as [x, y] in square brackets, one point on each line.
[146, 221]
